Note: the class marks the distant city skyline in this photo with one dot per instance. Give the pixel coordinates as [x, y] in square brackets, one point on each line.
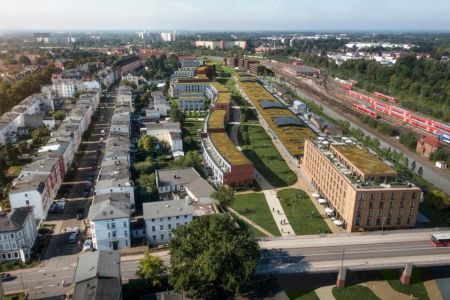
[231, 15]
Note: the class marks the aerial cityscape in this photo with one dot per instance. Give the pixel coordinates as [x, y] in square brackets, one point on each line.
[194, 149]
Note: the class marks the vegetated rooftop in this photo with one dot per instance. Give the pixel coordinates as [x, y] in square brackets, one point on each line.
[216, 119]
[366, 162]
[292, 136]
[219, 87]
[227, 149]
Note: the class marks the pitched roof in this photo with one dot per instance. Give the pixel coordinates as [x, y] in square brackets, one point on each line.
[109, 209]
[101, 264]
[170, 208]
[98, 289]
[15, 219]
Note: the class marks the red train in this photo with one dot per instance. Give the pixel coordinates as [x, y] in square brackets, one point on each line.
[404, 115]
[384, 97]
[365, 110]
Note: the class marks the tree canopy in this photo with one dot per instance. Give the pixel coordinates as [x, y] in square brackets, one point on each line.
[151, 268]
[224, 195]
[212, 254]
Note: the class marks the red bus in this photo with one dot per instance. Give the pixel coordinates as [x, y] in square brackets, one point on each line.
[440, 239]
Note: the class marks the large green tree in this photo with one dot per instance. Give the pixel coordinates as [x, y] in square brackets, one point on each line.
[224, 195]
[212, 254]
[148, 182]
[151, 268]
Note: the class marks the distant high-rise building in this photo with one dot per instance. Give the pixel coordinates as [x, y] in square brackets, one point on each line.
[168, 36]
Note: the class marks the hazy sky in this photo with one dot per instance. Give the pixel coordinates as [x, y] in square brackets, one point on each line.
[300, 15]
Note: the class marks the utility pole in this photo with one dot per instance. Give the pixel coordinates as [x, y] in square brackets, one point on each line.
[343, 255]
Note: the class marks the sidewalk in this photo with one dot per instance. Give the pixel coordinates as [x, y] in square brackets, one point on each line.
[274, 205]
[251, 223]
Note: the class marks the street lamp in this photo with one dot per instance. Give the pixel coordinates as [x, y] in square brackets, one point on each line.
[382, 223]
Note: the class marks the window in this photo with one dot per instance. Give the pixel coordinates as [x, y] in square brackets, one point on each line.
[408, 221]
[160, 219]
[153, 228]
[398, 221]
[357, 222]
[358, 214]
[381, 205]
[391, 204]
[402, 204]
[370, 205]
[177, 217]
[410, 213]
[153, 220]
[125, 233]
[162, 237]
[185, 216]
[154, 238]
[404, 195]
[170, 235]
[388, 221]
[126, 243]
[372, 196]
[360, 205]
[378, 221]
[412, 204]
[382, 196]
[369, 213]
[380, 213]
[11, 235]
[161, 227]
[413, 196]
[390, 213]
[392, 196]
[27, 202]
[114, 234]
[368, 222]
[109, 234]
[168, 218]
[170, 226]
[124, 223]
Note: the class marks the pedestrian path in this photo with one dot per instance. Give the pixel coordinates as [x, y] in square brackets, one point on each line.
[250, 222]
[433, 290]
[325, 292]
[383, 290]
[274, 204]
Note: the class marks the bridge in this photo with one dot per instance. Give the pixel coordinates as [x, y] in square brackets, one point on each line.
[353, 252]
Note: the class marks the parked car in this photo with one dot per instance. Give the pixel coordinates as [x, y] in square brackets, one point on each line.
[6, 277]
[87, 245]
[73, 238]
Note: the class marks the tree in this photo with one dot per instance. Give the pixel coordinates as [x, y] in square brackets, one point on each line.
[148, 182]
[176, 115]
[202, 269]
[151, 268]
[420, 171]
[9, 155]
[22, 146]
[224, 195]
[59, 115]
[145, 144]
[24, 60]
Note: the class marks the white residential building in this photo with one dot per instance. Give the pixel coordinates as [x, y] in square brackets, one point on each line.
[168, 36]
[162, 217]
[18, 233]
[168, 132]
[109, 217]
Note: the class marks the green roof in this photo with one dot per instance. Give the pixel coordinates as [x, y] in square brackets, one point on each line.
[227, 149]
[364, 161]
[216, 119]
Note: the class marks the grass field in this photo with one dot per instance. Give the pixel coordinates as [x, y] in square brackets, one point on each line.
[301, 213]
[265, 157]
[254, 207]
[415, 287]
[354, 292]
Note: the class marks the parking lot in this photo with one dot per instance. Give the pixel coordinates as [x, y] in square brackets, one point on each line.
[77, 189]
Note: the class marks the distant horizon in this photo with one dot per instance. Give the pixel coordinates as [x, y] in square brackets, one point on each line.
[231, 15]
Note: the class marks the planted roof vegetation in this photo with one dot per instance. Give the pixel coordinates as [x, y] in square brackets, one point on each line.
[227, 149]
[363, 160]
[292, 135]
[216, 119]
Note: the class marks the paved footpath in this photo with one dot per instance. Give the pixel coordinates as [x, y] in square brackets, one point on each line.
[274, 205]
[250, 222]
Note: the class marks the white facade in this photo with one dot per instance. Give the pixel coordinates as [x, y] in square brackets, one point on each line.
[168, 36]
[191, 104]
[111, 234]
[40, 201]
[177, 88]
[13, 241]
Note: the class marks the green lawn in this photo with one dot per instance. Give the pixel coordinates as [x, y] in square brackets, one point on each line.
[254, 207]
[354, 292]
[265, 157]
[15, 297]
[301, 213]
[415, 287]
[302, 295]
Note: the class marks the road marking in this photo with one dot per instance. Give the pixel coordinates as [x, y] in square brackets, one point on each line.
[51, 285]
[41, 271]
[39, 287]
[65, 268]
